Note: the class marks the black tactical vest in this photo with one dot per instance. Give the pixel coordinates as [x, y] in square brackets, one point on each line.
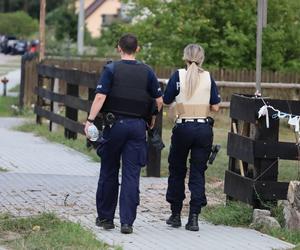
[128, 95]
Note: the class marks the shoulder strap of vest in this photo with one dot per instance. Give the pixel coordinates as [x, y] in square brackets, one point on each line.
[182, 73]
[111, 65]
[139, 62]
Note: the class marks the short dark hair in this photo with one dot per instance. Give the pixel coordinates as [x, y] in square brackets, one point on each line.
[128, 43]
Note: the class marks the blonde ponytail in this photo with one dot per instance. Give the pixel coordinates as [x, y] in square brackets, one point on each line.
[194, 56]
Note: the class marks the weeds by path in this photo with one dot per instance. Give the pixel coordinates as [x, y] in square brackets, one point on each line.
[15, 89]
[5, 105]
[45, 231]
[9, 107]
[58, 136]
[3, 170]
[240, 214]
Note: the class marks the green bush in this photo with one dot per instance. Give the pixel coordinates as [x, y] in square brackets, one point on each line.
[18, 23]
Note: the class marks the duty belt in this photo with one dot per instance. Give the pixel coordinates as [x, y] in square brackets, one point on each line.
[200, 120]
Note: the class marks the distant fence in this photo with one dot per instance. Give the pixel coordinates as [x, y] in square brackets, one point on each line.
[238, 79]
[73, 102]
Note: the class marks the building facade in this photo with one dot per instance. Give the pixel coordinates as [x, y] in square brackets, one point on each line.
[100, 13]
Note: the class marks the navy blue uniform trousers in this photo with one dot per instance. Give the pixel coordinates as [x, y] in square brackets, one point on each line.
[126, 141]
[194, 138]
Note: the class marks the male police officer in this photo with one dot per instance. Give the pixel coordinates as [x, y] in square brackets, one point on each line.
[126, 89]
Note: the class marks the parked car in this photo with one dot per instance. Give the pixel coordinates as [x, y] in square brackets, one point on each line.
[20, 47]
[2, 39]
[7, 44]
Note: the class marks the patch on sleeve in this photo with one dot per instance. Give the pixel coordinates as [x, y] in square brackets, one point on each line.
[177, 85]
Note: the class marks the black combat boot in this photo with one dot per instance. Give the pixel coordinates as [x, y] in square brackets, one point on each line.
[126, 229]
[105, 223]
[174, 220]
[192, 224]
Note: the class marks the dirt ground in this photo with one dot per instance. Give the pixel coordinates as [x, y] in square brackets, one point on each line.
[155, 194]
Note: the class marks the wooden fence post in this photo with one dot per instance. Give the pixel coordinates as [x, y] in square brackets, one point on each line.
[22, 82]
[39, 101]
[266, 169]
[71, 113]
[52, 82]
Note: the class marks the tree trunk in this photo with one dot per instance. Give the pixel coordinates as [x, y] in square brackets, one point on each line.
[25, 6]
[6, 6]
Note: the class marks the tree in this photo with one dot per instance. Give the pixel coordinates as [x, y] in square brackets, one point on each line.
[282, 36]
[29, 6]
[18, 23]
[226, 30]
[64, 20]
[166, 27]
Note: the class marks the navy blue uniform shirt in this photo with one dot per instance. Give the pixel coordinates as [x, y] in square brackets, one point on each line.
[106, 80]
[173, 89]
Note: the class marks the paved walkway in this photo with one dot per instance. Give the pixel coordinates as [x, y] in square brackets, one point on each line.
[10, 68]
[46, 176]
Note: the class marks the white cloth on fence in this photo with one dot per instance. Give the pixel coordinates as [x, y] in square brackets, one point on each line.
[263, 111]
[294, 120]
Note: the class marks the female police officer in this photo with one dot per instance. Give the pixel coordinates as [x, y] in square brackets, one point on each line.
[195, 94]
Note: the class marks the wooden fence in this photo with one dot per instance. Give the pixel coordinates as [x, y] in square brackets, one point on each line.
[237, 80]
[28, 79]
[74, 102]
[254, 151]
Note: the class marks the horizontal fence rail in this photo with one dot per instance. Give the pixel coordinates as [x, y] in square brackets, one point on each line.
[266, 85]
[72, 76]
[229, 81]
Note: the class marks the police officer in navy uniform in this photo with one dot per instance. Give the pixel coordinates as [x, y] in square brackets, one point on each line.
[126, 90]
[195, 94]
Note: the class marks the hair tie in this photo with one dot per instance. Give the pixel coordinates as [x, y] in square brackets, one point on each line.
[194, 62]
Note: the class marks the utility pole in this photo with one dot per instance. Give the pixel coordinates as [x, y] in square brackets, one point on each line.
[42, 29]
[80, 29]
[261, 23]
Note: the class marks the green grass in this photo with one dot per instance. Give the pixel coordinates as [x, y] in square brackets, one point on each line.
[46, 231]
[58, 136]
[292, 236]
[231, 214]
[5, 105]
[3, 170]
[6, 109]
[240, 214]
[15, 89]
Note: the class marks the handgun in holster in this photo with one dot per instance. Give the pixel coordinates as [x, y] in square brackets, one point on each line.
[214, 151]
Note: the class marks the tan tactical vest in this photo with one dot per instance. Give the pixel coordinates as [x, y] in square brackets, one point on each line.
[198, 105]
